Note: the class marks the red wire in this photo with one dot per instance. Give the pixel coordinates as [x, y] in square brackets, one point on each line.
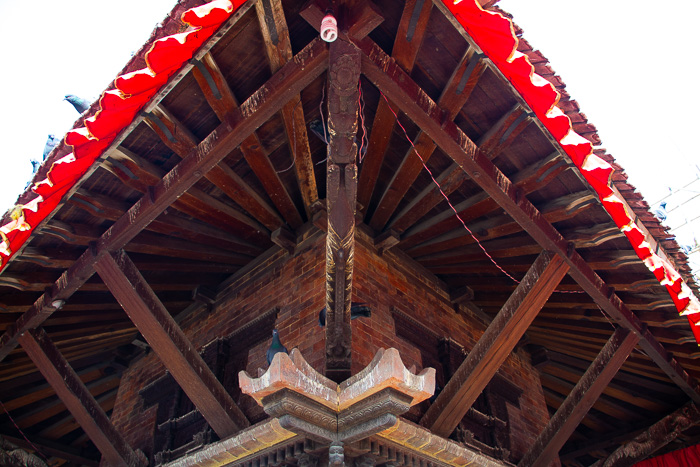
[445, 196]
[22, 433]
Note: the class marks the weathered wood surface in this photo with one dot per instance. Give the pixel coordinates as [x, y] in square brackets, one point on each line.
[653, 438]
[291, 79]
[458, 89]
[495, 344]
[278, 46]
[581, 399]
[412, 27]
[410, 98]
[76, 397]
[341, 189]
[172, 346]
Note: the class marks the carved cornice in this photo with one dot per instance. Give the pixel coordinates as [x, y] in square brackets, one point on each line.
[308, 403]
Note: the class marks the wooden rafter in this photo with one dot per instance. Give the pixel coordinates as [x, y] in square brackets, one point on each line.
[172, 346]
[400, 88]
[81, 404]
[412, 27]
[582, 397]
[264, 103]
[456, 93]
[480, 204]
[194, 202]
[279, 51]
[655, 437]
[223, 102]
[341, 189]
[495, 344]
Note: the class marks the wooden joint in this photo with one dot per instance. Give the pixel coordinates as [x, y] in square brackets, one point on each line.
[386, 240]
[285, 239]
[461, 295]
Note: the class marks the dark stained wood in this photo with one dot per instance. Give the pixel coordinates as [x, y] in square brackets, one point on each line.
[53, 449]
[222, 101]
[404, 52]
[194, 202]
[565, 207]
[399, 87]
[78, 399]
[290, 80]
[495, 344]
[285, 239]
[528, 180]
[341, 189]
[449, 180]
[655, 437]
[582, 397]
[365, 16]
[279, 51]
[452, 99]
[172, 346]
[506, 128]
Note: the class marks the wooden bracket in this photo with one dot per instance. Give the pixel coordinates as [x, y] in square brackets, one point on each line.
[78, 400]
[172, 346]
[494, 346]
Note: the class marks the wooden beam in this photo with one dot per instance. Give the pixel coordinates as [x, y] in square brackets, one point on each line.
[194, 202]
[53, 449]
[278, 46]
[412, 27]
[495, 345]
[528, 180]
[223, 102]
[172, 346]
[653, 438]
[400, 88]
[263, 104]
[343, 93]
[456, 93]
[81, 404]
[582, 397]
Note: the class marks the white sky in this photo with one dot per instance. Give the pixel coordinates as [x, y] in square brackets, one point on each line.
[53, 48]
[633, 69]
[631, 65]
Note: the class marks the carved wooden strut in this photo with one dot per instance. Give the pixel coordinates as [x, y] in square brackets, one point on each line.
[343, 92]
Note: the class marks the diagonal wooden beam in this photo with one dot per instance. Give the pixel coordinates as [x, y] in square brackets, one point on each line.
[460, 86]
[76, 397]
[343, 92]
[582, 397]
[527, 180]
[400, 88]
[495, 344]
[412, 27]
[168, 341]
[278, 46]
[263, 104]
[221, 99]
[654, 437]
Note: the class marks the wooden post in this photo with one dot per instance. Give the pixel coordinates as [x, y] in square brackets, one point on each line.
[341, 182]
[495, 344]
[581, 399]
[172, 346]
[78, 400]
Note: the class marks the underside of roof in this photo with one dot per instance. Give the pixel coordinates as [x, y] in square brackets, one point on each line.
[209, 152]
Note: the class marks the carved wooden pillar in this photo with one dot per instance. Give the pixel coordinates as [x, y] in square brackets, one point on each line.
[343, 81]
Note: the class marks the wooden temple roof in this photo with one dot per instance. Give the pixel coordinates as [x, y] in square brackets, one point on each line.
[203, 163]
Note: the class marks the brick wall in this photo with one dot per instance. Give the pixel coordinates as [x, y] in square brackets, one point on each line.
[296, 286]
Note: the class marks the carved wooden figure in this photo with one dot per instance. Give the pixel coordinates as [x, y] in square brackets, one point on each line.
[343, 94]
